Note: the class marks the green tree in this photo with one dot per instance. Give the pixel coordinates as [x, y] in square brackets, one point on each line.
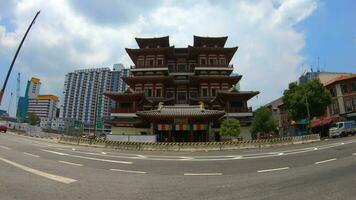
[305, 101]
[33, 119]
[230, 127]
[263, 121]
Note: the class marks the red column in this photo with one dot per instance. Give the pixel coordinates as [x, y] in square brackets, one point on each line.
[191, 136]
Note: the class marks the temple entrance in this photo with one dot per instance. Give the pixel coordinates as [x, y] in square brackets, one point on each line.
[180, 136]
[182, 97]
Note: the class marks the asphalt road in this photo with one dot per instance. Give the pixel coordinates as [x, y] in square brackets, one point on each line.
[32, 168]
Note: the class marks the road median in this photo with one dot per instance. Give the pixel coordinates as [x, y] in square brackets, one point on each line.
[191, 146]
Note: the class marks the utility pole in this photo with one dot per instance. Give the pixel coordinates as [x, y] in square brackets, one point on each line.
[18, 96]
[2, 91]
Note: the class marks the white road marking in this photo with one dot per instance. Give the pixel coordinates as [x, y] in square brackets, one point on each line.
[203, 174]
[89, 158]
[128, 171]
[324, 161]
[103, 153]
[271, 170]
[280, 154]
[70, 163]
[4, 147]
[55, 152]
[61, 179]
[33, 155]
[73, 149]
[315, 148]
[354, 154]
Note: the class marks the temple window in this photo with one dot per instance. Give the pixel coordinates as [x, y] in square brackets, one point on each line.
[181, 67]
[169, 94]
[222, 61]
[203, 61]
[344, 88]
[214, 91]
[236, 104]
[204, 92]
[148, 92]
[158, 92]
[160, 61]
[193, 94]
[141, 62]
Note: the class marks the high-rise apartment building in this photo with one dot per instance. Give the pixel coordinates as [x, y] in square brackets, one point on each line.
[83, 92]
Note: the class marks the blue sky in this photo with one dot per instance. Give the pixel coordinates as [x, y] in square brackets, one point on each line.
[275, 37]
[331, 36]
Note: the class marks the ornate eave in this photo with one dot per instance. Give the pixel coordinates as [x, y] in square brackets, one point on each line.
[209, 41]
[208, 78]
[148, 79]
[229, 52]
[134, 53]
[235, 95]
[153, 42]
[173, 112]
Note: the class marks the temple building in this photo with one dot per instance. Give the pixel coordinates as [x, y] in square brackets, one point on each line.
[180, 94]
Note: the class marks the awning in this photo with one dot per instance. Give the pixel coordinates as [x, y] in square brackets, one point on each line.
[324, 121]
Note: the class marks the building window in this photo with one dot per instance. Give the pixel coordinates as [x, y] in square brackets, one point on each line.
[204, 92]
[150, 62]
[193, 94]
[160, 62]
[236, 104]
[141, 62]
[344, 88]
[334, 108]
[348, 105]
[169, 94]
[181, 67]
[158, 92]
[211, 61]
[353, 87]
[214, 91]
[148, 92]
[332, 91]
[203, 61]
[125, 105]
[222, 61]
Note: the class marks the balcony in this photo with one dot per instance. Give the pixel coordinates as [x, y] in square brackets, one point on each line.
[148, 66]
[240, 110]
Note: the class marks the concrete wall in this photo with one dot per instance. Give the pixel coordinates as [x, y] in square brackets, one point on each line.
[128, 130]
[132, 138]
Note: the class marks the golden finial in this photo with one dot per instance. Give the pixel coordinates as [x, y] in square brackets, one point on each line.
[201, 104]
[232, 88]
[160, 105]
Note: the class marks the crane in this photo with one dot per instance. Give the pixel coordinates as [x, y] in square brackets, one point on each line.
[2, 91]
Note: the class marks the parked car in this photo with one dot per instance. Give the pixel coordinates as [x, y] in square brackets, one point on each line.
[3, 128]
[341, 129]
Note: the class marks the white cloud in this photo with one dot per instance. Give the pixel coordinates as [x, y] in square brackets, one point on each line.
[64, 39]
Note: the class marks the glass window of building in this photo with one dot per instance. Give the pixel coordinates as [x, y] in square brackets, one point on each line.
[158, 92]
[353, 86]
[214, 91]
[348, 105]
[148, 92]
[204, 92]
[203, 61]
[344, 88]
[181, 67]
[160, 61]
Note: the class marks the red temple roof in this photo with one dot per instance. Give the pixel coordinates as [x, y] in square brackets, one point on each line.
[229, 52]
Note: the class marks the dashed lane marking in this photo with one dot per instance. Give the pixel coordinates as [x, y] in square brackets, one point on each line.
[354, 154]
[4, 147]
[57, 178]
[103, 153]
[30, 154]
[70, 163]
[203, 174]
[128, 171]
[88, 158]
[324, 161]
[271, 170]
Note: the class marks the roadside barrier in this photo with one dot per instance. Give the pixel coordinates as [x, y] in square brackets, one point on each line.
[191, 146]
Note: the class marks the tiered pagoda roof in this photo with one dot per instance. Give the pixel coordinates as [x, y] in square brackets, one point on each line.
[153, 42]
[200, 41]
[180, 111]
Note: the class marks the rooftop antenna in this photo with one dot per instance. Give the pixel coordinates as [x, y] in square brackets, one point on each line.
[2, 91]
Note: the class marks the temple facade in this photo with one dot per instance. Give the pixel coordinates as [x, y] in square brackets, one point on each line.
[180, 94]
